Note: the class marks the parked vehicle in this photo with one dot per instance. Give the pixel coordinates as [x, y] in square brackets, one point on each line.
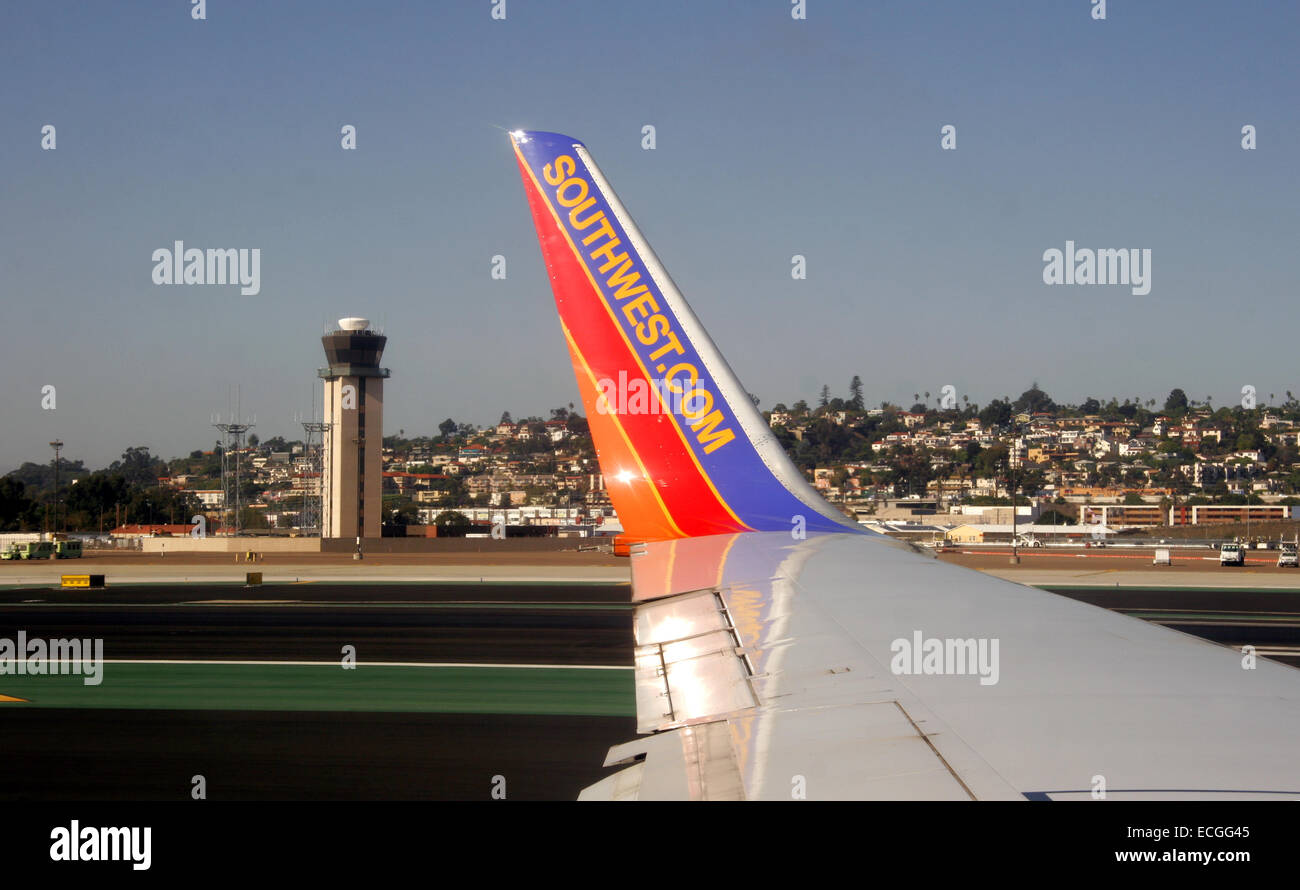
[1232, 554]
[1288, 558]
[30, 550]
[67, 550]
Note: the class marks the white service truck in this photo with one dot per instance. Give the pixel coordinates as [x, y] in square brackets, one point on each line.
[1232, 554]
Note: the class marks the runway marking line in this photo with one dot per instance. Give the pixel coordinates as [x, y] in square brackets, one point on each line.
[338, 664]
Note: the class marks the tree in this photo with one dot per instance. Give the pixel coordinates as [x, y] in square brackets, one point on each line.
[988, 461]
[1177, 401]
[100, 491]
[996, 413]
[447, 428]
[855, 393]
[1034, 400]
[138, 466]
[404, 513]
[825, 398]
[451, 519]
[1250, 440]
[39, 478]
[16, 509]
[505, 417]
[577, 425]
[1055, 517]
[1090, 406]
[249, 518]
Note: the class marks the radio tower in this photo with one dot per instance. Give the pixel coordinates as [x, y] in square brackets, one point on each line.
[232, 438]
[313, 503]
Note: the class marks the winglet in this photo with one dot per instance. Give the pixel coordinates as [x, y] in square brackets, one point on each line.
[683, 450]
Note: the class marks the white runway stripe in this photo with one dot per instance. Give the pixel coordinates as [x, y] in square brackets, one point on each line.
[435, 664]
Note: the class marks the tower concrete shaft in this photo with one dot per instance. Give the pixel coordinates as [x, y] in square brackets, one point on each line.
[353, 440]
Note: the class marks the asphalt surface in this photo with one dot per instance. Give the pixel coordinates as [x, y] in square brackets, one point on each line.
[318, 593]
[470, 634]
[71, 754]
[536, 693]
[472, 623]
[542, 716]
[1269, 620]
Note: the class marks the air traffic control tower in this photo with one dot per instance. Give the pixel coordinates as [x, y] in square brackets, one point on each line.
[352, 493]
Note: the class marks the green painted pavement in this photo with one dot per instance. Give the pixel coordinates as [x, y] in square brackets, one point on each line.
[316, 604]
[328, 687]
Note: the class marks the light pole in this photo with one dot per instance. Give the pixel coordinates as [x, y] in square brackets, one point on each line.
[1020, 420]
[57, 445]
[1011, 490]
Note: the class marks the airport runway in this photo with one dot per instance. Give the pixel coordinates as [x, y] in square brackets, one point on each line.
[1125, 567]
[128, 567]
[454, 684]
[1268, 620]
[312, 622]
[67, 754]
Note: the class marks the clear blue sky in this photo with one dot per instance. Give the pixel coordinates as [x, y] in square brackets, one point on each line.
[775, 137]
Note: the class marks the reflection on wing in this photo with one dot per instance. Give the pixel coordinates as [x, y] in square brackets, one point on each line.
[764, 670]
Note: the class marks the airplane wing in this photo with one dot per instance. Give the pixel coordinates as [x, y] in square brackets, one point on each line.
[783, 652]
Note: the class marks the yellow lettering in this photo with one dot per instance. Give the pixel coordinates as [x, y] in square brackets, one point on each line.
[646, 331]
[573, 214]
[673, 344]
[642, 306]
[622, 284]
[696, 414]
[582, 191]
[669, 380]
[709, 436]
[610, 259]
[603, 230]
[560, 173]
